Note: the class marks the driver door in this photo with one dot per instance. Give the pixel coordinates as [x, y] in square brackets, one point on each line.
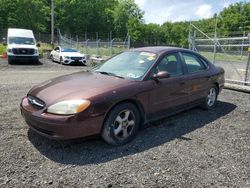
[168, 93]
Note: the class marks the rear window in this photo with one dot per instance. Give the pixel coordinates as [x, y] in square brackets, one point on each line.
[194, 64]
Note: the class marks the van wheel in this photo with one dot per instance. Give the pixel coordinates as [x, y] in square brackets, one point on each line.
[121, 125]
[10, 62]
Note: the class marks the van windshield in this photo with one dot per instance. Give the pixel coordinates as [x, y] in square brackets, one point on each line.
[21, 40]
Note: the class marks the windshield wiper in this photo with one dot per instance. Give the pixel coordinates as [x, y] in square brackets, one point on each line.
[110, 74]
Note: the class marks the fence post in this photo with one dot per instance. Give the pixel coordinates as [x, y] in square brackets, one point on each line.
[193, 41]
[189, 37]
[215, 49]
[97, 47]
[128, 41]
[248, 62]
[77, 43]
[86, 46]
[111, 46]
[243, 41]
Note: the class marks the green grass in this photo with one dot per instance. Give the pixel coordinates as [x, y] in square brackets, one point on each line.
[224, 57]
[2, 49]
[102, 51]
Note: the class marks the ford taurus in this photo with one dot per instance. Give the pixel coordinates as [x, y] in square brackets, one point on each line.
[118, 96]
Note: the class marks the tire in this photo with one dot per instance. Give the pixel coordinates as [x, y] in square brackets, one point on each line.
[36, 61]
[211, 99]
[121, 125]
[52, 58]
[10, 61]
[61, 60]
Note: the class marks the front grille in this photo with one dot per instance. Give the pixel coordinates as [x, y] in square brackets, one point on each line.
[23, 51]
[37, 103]
[76, 58]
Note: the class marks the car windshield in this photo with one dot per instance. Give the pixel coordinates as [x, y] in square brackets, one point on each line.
[21, 40]
[69, 50]
[127, 65]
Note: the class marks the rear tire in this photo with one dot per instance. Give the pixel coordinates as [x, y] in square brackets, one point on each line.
[121, 124]
[211, 99]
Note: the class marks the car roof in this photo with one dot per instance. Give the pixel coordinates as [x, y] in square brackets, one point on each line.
[159, 49]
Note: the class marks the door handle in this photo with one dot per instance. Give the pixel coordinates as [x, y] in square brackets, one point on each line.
[182, 83]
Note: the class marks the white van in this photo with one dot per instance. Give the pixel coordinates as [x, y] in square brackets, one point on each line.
[21, 46]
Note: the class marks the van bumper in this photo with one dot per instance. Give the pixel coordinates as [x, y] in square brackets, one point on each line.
[26, 58]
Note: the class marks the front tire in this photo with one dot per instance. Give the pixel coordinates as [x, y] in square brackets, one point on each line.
[211, 99]
[52, 58]
[121, 125]
[10, 61]
[61, 60]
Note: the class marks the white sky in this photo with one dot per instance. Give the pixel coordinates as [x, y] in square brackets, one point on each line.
[160, 11]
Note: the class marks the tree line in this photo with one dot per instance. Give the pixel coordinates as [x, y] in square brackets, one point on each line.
[77, 17]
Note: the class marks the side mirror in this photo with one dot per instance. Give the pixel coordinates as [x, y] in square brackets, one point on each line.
[161, 75]
[4, 43]
[38, 45]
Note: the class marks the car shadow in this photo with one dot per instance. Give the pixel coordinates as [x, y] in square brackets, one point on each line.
[78, 152]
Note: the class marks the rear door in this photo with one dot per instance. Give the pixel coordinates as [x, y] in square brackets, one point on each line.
[198, 79]
[168, 93]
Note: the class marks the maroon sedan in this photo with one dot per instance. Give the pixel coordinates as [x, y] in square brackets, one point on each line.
[123, 93]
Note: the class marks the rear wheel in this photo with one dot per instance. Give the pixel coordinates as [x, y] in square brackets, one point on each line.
[121, 124]
[211, 99]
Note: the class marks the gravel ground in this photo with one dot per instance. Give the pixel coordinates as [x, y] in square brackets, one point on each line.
[195, 148]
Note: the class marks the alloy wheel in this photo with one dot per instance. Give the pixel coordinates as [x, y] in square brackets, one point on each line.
[211, 98]
[124, 124]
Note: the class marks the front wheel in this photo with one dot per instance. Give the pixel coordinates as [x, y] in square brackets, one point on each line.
[10, 61]
[211, 99]
[121, 124]
[61, 60]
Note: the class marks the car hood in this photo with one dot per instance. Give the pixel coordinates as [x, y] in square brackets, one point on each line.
[72, 54]
[81, 85]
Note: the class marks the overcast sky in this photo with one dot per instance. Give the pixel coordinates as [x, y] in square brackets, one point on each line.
[160, 11]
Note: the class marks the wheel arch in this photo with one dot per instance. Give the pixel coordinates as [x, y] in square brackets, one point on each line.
[135, 102]
[217, 86]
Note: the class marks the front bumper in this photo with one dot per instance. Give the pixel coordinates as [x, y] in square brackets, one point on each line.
[23, 58]
[60, 127]
[71, 61]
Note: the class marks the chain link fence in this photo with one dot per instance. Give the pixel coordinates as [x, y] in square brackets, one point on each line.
[228, 51]
[98, 47]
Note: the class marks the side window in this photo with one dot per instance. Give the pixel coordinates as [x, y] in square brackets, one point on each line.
[171, 64]
[194, 64]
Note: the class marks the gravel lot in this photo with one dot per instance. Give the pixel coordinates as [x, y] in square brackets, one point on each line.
[192, 149]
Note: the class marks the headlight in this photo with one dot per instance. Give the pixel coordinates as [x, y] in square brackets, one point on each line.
[69, 107]
[66, 57]
[10, 50]
[36, 51]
